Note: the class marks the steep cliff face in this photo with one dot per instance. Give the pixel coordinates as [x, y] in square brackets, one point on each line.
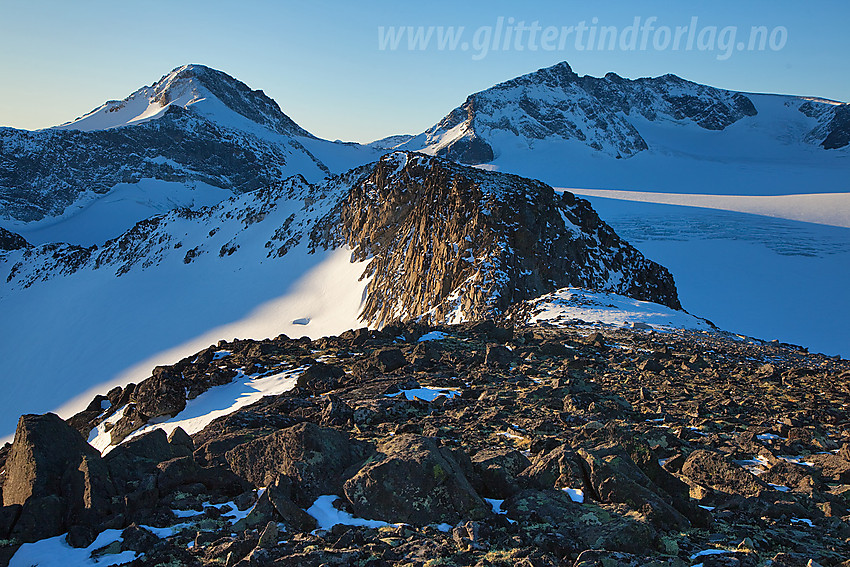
[838, 128]
[453, 243]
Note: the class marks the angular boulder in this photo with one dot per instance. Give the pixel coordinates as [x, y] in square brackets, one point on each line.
[412, 480]
[56, 477]
[616, 478]
[312, 457]
[498, 470]
[716, 472]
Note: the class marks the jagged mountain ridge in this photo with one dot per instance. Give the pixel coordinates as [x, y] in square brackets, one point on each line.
[601, 113]
[453, 243]
[410, 215]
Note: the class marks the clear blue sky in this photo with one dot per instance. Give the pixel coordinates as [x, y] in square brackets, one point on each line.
[321, 62]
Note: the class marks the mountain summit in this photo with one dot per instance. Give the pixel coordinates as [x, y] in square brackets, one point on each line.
[179, 142]
[209, 92]
[606, 114]
[557, 103]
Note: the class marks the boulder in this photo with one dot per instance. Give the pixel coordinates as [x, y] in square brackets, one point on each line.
[313, 457]
[587, 525]
[389, 359]
[412, 480]
[180, 441]
[45, 447]
[559, 468]
[714, 471]
[40, 518]
[320, 377]
[335, 411]
[498, 470]
[138, 457]
[164, 393]
[56, 478]
[498, 355]
[616, 478]
[281, 495]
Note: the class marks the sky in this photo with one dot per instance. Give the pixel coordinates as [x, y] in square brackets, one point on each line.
[324, 64]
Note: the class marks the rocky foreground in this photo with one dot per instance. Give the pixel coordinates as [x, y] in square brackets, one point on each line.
[460, 445]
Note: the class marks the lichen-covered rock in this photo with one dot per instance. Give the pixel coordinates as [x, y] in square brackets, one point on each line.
[714, 471]
[413, 480]
[615, 478]
[312, 457]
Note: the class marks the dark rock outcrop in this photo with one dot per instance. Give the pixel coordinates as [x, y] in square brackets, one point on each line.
[454, 243]
[12, 241]
[413, 480]
[56, 478]
[313, 458]
[839, 129]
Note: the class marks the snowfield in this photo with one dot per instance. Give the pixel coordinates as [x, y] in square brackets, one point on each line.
[765, 277]
[94, 219]
[821, 208]
[93, 331]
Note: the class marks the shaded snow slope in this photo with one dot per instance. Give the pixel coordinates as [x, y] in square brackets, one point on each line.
[821, 208]
[94, 219]
[83, 319]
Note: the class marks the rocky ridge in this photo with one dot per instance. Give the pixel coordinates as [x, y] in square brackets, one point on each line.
[599, 112]
[470, 444]
[518, 239]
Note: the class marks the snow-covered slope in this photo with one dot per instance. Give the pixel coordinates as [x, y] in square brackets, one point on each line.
[765, 277]
[411, 236]
[821, 208]
[168, 287]
[205, 91]
[654, 134]
[575, 306]
[196, 127]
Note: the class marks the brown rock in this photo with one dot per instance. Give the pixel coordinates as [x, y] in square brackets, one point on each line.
[713, 470]
[313, 457]
[413, 480]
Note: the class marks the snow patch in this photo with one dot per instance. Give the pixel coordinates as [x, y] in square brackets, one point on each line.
[569, 306]
[327, 516]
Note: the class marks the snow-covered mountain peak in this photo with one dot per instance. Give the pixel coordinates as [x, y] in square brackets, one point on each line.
[196, 127]
[556, 104]
[209, 92]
